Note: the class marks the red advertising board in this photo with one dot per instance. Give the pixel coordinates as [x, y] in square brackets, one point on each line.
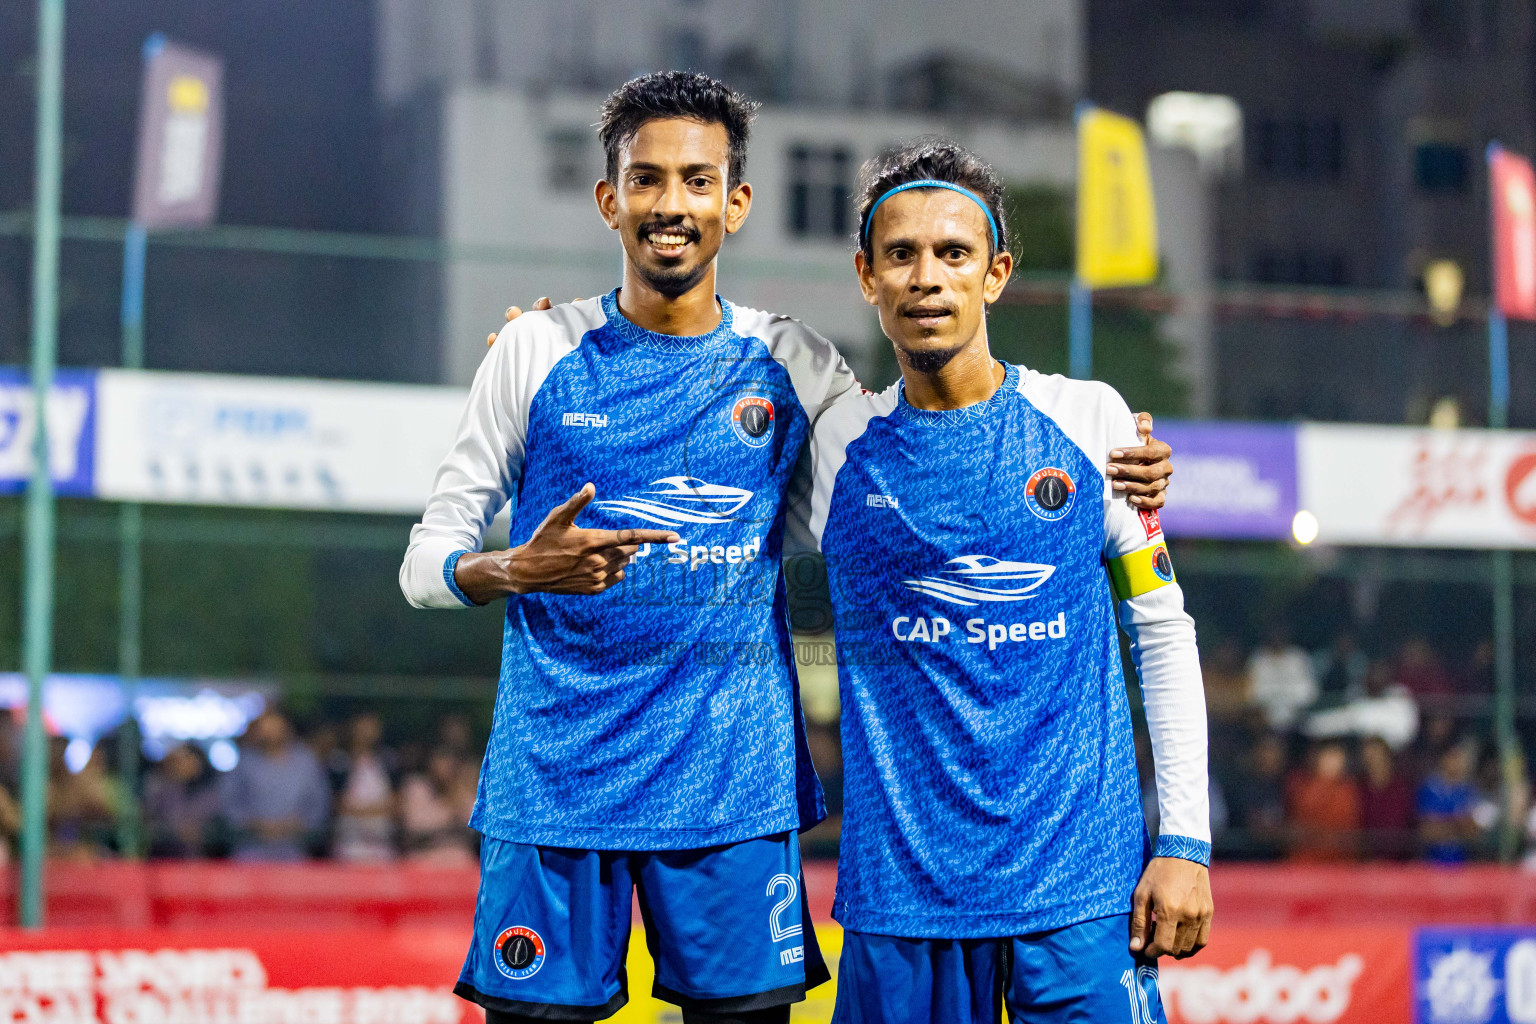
[1321, 975]
[1512, 197]
[80, 976]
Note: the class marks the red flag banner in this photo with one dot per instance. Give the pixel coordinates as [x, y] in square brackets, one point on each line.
[1512, 195]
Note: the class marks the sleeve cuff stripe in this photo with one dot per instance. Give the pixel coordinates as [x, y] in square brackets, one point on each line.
[449, 564]
[1184, 848]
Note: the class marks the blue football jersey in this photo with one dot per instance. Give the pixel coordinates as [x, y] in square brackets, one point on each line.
[990, 783]
[664, 712]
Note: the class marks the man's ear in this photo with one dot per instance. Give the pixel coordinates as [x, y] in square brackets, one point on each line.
[997, 277]
[607, 202]
[738, 203]
[864, 267]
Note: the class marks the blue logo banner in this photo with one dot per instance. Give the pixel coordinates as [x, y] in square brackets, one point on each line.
[1474, 975]
[71, 431]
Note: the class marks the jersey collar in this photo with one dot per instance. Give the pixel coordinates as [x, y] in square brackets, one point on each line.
[630, 331]
[974, 413]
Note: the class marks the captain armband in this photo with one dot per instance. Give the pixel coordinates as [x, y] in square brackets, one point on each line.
[1141, 572]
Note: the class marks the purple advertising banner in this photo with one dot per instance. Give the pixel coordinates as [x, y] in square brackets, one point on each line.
[1234, 480]
[181, 137]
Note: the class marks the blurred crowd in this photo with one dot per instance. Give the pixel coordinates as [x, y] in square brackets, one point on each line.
[338, 791]
[1338, 755]
[1326, 755]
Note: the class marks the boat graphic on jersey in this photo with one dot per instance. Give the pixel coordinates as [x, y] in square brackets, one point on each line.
[983, 578]
[675, 500]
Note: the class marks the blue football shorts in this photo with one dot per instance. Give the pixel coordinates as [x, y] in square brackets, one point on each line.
[727, 927]
[1082, 974]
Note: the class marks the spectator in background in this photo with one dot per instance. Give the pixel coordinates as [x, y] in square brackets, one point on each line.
[1420, 670]
[1340, 671]
[1446, 801]
[1280, 679]
[1226, 682]
[1385, 710]
[1256, 799]
[82, 806]
[10, 825]
[181, 800]
[1386, 803]
[365, 803]
[276, 799]
[435, 805]
[1476, 675]
[1323, 807]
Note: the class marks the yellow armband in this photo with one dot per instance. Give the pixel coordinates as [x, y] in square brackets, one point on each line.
[1141, 572]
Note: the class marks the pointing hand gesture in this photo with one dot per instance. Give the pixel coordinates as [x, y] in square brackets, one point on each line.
[560, 557]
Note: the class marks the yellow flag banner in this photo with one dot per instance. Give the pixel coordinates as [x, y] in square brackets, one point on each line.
[1116, 217]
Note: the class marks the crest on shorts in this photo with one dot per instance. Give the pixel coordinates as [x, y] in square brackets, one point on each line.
[519, 953]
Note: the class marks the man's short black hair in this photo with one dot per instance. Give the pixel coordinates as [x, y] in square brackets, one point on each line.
[683, 94]
[930, 158]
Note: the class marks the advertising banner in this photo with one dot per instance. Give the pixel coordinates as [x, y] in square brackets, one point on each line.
[269, 441]
[1419, 488]
[81, 976]
[1512, 193]
[181, 137]
[1116, 217]
[405, 976]
[1233, 480]
[1299, 975]
[71, 412]
[1474, 975]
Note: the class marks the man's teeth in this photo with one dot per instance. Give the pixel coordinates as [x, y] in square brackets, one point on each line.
[669, 240]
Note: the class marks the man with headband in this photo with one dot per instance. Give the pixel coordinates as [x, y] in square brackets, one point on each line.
[994, 852]
[647, 733]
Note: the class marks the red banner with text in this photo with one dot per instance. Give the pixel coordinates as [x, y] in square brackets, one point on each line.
[1512, 193]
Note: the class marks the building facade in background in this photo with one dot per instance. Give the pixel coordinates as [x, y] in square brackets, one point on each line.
[494, 103]
[1365, 127]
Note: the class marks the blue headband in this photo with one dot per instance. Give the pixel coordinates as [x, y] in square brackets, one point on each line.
[934, 183]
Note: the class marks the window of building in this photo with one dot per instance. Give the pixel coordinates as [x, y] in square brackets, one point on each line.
[1304, 267]
[571, 166]
[1300, 147]
[1441, 167]
[820, 191]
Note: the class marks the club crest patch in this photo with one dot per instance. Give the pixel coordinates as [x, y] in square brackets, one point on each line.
[1162, 565]
[519, 953]
[1050, 493]
[752, 421]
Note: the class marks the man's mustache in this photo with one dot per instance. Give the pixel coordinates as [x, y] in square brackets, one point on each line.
[658, 227]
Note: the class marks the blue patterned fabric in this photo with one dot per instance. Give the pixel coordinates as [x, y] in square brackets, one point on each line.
[1184, 848]
[729, 928]
[449, 565]
[989, 774]
[1084, 972]
[663, 713]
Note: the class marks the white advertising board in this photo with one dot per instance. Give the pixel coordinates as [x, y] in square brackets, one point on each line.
[208, 439]
[1419, 488]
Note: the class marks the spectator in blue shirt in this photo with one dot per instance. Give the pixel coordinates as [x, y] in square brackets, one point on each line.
[276, 799]
[1447, 799]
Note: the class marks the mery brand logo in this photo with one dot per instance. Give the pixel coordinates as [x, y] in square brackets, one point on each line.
[584, 419]
[675, 500]
[983, 578]
[881, 501]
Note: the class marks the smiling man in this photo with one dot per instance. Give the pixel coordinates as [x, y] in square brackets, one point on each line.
[647, 736]
[994, 851]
